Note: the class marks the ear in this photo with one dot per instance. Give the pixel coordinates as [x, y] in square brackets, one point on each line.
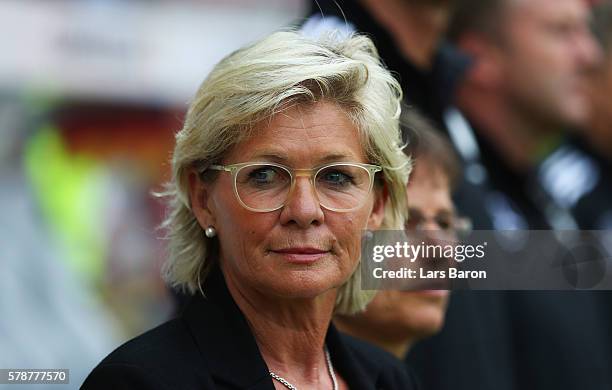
[381, 197]
[199, 199]
[487, 68]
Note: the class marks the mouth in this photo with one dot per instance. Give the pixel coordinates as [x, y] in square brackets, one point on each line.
[301, 255]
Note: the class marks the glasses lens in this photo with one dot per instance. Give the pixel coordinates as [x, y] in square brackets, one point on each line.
[342, 186]
[262, 186]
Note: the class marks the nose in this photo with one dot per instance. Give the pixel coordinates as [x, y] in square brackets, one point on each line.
[433, 234]
[588, 50]
[302, 207]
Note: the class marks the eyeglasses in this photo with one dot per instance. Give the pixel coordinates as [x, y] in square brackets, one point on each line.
[446, 222]
[264, 186]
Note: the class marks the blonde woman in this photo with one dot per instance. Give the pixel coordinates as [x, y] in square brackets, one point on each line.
[289, 151]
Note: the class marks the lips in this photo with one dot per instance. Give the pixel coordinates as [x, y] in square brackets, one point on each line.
[301, 255]
[308, 251]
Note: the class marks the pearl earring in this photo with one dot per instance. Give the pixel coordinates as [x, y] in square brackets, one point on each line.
[210, 232]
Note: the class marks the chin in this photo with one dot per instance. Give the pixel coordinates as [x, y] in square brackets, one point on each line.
[424, 317]
[576, 111]
[303, 284]
[423, 325]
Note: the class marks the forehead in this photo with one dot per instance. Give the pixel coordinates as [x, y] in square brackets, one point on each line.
[303, 135]
[521, 11]
[429, 189]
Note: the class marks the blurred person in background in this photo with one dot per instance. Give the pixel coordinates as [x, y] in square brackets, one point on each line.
[525, 90]
[395, 319]
[534, 93]
[590, 148]
[290, 149]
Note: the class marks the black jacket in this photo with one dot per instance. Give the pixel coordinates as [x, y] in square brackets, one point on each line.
[210, 346]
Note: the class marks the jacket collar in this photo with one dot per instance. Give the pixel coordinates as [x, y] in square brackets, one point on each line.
[356, 375]
[228, 346]
[223, 337]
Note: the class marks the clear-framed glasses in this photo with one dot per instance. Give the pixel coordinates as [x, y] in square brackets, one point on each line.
[265, 186]
[447, 222]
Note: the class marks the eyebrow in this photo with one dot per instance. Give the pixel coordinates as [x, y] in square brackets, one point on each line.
[281, 157]
[336, 157]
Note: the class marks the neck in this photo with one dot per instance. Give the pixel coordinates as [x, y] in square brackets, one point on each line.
[396, 345]
[520, 140]
[598, 133]
[290, 333]
[598, 136]
[417, 27]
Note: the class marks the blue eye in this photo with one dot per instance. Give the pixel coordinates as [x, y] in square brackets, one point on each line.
[264, 176]
[336, 178]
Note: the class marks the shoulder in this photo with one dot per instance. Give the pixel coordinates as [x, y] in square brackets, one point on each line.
[161, 358]
[394, 374]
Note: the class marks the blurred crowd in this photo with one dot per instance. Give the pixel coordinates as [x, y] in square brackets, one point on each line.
[519, 89]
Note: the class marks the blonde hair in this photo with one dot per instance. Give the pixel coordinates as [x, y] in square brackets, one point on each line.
[252, 85]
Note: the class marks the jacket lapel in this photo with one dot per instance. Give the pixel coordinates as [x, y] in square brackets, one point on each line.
[224, 338]
[356, 375]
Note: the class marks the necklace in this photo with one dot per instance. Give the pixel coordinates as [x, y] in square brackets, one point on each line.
[330, 369]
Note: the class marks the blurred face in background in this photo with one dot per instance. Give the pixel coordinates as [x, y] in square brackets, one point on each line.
[546, 50]
[398, 318]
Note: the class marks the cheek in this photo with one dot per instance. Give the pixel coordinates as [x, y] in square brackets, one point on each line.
[537, 64]
[242, 232]
[350, 229]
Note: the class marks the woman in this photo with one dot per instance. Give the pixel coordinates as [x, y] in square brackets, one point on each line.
[289, 151]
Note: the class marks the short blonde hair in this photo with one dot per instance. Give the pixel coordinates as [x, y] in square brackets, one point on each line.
[254, 83]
